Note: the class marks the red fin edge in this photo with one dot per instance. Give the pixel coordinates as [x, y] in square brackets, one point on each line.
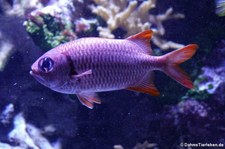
[143, 40]
[145, 35]
[173, 59]
[85, 102]
[152, 90]
[88, 99]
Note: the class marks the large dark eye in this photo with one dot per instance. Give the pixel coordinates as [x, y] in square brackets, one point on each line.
[46, 64]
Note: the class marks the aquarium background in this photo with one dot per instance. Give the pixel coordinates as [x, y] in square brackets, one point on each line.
[33, 116]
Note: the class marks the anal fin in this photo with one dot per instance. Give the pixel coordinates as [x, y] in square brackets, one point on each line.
[88, 99]
[146, 85]
[145, 89]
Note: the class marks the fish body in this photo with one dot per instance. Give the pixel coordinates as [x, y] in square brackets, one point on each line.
[114, 64]
[89, 65]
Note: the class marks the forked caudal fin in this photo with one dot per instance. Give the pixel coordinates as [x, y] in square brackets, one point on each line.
[173, 59]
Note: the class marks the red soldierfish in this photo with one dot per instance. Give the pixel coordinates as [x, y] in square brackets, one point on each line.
[89, 65]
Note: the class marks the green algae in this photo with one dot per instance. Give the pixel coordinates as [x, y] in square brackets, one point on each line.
[196, 92]
[48, 31]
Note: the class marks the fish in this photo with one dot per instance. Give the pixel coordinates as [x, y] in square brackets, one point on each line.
[220, 7]
[90, 65]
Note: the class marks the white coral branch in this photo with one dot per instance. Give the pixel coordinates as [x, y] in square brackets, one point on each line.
[134, 19]
[27, 136]
[122, 16]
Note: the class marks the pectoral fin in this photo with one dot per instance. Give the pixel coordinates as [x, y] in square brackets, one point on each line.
[88, 72]
[88, 99]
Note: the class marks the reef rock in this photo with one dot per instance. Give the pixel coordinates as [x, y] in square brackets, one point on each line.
[202, 110]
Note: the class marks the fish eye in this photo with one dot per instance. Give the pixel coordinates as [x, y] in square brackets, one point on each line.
[46, 64]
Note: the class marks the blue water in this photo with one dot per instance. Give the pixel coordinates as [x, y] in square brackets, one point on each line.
[124, 117]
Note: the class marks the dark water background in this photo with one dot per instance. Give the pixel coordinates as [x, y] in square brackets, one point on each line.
[124, 117]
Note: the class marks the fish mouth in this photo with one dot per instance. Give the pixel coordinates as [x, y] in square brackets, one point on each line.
[33, 74]
[37, 76]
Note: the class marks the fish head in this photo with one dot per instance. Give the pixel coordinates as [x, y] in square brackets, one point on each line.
[51, 70]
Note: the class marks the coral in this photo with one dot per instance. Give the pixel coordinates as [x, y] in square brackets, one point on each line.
[191, 119]
[48, 31]
[51, 25]
[133, 19]
[211, 80]
[86, 27]
[187, 111]
[196, 117]
[133, 119]
[192, 107]
[160, 30]
[13, 41]
[20, 7]
[145, 145]
[7, 114]
[23, 7]
[199, 93]
[54, 22]
[84, 24]
[7, 146]
[27, 136]
[6, 49]
[220, 7]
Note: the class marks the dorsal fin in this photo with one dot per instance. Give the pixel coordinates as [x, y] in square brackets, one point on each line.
[142, 39]
[146, 85]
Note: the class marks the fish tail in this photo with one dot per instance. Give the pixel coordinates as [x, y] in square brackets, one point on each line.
[173, 59]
